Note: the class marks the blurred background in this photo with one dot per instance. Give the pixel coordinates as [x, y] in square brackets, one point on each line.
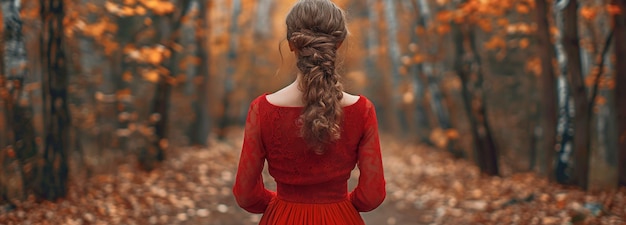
[513, 86]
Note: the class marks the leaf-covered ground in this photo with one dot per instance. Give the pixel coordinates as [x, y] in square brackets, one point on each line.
[425, 186]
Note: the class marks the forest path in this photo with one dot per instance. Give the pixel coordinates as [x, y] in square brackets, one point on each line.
[425, 186]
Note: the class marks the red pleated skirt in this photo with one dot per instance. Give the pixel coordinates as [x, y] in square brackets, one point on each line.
[280, 212]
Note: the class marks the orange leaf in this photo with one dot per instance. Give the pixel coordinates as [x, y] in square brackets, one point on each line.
[419, 58]
[523, 44]
[600, 100]
[452, 134]
[522, 9]
[503, 22]
[613, 9]
[495, 42]
[444, 16]
[123, 93]
[485, 25]
[588, 13]
[128, 76]
[443, 29]
[11, 153]
[151, 75]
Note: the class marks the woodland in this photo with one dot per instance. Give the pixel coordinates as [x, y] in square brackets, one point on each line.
[490, 111]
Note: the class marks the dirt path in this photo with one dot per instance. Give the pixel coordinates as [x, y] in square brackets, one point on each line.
[425, 186]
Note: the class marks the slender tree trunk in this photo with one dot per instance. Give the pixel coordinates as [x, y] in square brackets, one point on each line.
[571, 44]
[620, 87]
[18, 115]
[393, 112]
[169, 35]
[229, 81]
[486, 154]
[56, 113]
[200, 128]
[562, 171]
[548, 85]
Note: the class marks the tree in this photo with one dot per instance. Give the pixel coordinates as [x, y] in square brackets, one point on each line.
[20, 137]
[468, 67]
[428, 68]
[200, 128]
[56, 113]
[169, 35]
[548, 85]
[619, 20]
[390, 13]
[229, 81]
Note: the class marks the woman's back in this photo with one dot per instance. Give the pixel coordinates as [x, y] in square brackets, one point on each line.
[303, 176]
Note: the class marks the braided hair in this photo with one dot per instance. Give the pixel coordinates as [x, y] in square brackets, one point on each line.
[315, 30]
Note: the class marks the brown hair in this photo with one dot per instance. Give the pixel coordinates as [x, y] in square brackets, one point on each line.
[315, 29]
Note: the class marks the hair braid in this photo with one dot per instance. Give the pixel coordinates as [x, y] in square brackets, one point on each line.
[315, 29]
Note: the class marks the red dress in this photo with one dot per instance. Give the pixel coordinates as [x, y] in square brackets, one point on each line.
[311, 189]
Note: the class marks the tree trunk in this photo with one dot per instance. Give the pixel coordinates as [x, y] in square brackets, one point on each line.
[56, 113]
[18, 115]
[168, 35]
[428, 70]
[466, 63]
[548, 85]
[571, 45]
[229, 81]
[393, 112]
[200, 128]
[620, 87]
[562, 170]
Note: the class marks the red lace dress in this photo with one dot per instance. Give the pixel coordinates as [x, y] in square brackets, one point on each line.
[311, 189]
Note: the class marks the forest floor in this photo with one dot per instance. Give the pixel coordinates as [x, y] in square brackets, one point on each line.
[425, 186]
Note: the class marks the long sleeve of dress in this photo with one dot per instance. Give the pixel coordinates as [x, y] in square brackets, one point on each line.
[249, 190]
[370, 190]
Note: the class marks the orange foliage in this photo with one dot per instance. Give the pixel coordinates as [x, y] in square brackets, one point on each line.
[524, 43]
[534, 65]
[613, 9]
[443, 29]
[496, 42]
[588, 13]
[159, 7]
[151, 75]
[522, 9]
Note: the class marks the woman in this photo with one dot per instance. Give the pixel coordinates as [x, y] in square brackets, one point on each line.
[312, 134]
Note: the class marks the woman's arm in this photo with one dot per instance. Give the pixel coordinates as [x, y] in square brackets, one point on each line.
[370, 191]
[249, 190]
